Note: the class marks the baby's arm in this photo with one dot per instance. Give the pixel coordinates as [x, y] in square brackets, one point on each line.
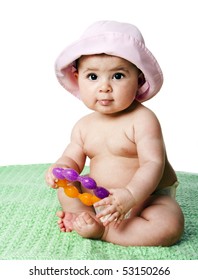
[73, 156]
[151, 154]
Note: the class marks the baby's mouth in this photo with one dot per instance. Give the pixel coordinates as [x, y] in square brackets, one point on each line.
[105, 102]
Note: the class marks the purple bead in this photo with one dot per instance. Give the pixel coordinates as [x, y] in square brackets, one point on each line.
[57, 172]
[70, 174]
[87, 182]
[101, 192]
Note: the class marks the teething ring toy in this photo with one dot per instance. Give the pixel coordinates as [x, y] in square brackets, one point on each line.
[67, 176]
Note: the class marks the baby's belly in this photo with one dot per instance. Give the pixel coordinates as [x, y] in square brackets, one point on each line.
[113, 172]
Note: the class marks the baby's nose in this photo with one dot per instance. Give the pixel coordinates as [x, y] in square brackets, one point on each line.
[105, 87]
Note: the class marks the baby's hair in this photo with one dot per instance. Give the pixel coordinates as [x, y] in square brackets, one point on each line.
[141, 79]
[76, 63]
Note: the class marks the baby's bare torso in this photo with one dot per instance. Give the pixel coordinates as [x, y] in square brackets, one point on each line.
[109, 142]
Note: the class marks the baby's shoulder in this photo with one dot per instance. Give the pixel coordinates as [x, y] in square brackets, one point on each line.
[142, 111]
[145, 118]
[85, 120]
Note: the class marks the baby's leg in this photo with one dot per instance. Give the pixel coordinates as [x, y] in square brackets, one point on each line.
[71, 208]
[159, 223]
[77, 216]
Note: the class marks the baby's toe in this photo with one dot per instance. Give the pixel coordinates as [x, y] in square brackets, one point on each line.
[60, 223]
[60, 214]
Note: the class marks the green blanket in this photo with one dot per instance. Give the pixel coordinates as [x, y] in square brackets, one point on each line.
[28, 224]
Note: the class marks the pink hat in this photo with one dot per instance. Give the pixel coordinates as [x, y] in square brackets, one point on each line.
[112, 38]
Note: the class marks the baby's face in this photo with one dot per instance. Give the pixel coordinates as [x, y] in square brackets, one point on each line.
[108, 84]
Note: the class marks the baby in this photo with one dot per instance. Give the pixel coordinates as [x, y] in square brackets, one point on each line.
[111, 70]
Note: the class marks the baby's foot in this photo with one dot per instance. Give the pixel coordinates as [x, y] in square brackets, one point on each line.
[87, 226]
[66, 220]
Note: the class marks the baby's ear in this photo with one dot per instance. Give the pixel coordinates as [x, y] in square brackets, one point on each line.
[76, 74]
[74, 71]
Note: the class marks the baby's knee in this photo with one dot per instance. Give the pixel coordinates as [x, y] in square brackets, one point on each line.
[173, 230]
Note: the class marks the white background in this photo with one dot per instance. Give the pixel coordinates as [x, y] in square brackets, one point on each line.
[37, 114]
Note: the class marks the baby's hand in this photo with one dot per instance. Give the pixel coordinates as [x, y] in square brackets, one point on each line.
[50, 179]
[117, 204]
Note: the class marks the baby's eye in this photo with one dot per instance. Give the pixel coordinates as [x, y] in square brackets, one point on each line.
[118, 76]
[92, 77]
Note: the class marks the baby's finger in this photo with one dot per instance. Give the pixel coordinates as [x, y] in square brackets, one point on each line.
[106, 211]
[103, 202]
[111, 218]
[51, 182]
[118, 221]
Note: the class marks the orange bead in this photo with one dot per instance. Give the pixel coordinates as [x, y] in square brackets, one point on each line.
[62, 183]
[95, 199]
[71, 191]
[86, 198]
